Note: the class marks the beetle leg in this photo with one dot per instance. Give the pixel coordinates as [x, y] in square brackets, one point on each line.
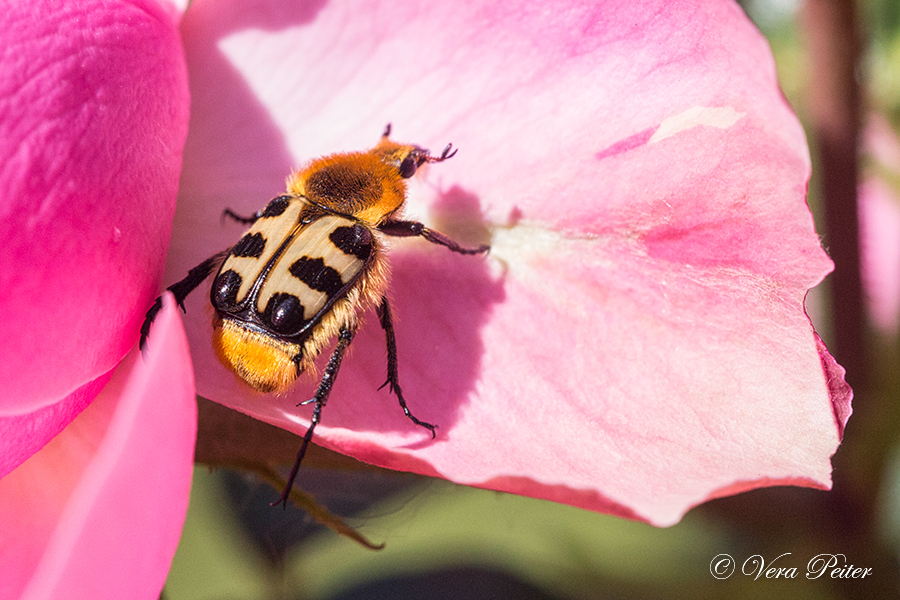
[414, 228]
[181, 289]
[240, 219]
[393, 377]
[321, 397]
[274, 208]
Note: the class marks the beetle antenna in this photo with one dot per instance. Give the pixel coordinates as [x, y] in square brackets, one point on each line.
[445, 154]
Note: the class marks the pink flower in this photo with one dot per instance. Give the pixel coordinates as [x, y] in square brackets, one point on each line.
[636, 341]
[879, 227]
[93, 112]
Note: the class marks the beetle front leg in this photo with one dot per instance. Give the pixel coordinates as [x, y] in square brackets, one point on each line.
[416, 229]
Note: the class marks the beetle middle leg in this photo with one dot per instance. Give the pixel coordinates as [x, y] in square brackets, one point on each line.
[240, 218]
[274, 208]
[393, 376]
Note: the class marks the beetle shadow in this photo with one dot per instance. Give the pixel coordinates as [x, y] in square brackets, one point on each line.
[440, 301]
[237, 157]
[235, 154]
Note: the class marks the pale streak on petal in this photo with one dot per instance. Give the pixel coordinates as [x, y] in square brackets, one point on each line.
[721, 117]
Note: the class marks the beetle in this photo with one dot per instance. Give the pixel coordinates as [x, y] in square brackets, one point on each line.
[311, 262]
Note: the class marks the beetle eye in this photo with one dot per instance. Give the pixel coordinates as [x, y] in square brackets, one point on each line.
[409, 165]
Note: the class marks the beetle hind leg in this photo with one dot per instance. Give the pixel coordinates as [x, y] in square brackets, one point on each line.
[320, 399]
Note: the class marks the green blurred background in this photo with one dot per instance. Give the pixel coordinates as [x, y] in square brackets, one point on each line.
[448, 541]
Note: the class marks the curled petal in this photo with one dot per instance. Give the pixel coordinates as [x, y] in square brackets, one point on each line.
[97, 513]
[23, 435]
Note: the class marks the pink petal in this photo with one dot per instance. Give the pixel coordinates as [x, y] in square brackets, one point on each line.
[636, 341]
[92, 124]
[175, 8]
[98, 512]
[840, 392]
[879, 223]
[879, 227]
[23, 435]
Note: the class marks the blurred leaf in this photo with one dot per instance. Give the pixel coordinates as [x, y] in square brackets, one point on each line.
[565, 550]
[318, 512]
[214, 558]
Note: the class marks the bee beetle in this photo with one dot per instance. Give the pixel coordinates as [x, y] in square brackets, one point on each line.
[311, 262]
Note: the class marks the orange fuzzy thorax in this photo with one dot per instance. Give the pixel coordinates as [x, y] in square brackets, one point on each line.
[366, 185]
